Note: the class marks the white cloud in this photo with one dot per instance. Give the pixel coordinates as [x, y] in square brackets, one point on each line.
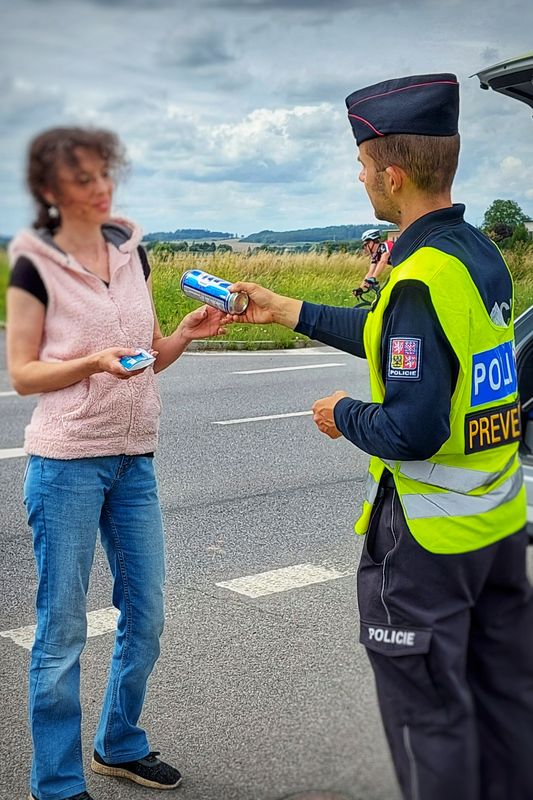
[233, 110]
[512, 166]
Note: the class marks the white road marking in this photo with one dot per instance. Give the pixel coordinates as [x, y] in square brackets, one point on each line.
[257, 419]
[98, 622]
[12, 452]
[263, 583]
[282, 580]
[7, 394]
[286, 369]
[325, 350]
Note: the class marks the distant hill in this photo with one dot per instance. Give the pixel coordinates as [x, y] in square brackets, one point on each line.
[185, 234]
[332, 233]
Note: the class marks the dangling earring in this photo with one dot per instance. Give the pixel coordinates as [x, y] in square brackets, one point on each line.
[53, 212]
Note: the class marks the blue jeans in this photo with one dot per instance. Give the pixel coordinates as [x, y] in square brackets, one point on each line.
[67, 501]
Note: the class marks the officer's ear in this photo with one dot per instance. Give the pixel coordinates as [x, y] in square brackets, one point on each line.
[396, 177]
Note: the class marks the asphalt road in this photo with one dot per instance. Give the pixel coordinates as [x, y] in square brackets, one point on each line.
[253, 698]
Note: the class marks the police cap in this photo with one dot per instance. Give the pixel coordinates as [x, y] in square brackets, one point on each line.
[427, 105]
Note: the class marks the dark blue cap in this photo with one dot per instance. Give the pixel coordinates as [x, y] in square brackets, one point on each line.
[427, 105]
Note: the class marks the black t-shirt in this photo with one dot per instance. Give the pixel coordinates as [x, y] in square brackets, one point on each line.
[25, 275]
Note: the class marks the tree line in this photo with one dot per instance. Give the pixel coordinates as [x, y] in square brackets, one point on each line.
[187, 234]
[168, 248]
[504, 222]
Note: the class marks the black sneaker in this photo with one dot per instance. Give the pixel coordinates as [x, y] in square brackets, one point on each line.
[149, 771]
[81, 796]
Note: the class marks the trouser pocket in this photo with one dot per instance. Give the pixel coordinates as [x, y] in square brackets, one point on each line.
[399, 655]
[381, 536]
[394, 640]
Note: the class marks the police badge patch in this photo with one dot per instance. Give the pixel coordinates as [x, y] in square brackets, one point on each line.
[405, 357]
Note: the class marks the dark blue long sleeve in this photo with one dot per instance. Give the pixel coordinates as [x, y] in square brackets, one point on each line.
[412, 423]
[339, 327]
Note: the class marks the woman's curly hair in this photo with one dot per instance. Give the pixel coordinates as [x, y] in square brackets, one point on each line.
[57, 146]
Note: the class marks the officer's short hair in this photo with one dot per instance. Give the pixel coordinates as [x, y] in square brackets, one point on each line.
[429, 161]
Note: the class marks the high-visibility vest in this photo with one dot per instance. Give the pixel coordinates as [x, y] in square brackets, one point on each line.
[471, 493]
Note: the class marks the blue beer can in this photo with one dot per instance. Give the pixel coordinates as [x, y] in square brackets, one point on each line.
[213, 291]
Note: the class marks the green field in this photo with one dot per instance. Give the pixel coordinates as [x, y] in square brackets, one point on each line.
[304, 276]
[310, 276]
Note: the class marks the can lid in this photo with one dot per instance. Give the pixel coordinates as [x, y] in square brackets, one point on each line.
[239, 302]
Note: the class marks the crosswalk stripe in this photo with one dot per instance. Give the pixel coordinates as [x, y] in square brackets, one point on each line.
[104, 620]
[282, 580]
[98, 622]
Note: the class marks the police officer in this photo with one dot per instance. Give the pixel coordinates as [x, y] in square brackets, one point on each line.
[445, 604]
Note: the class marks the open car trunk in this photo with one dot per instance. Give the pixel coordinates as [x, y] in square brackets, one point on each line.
[512, 78]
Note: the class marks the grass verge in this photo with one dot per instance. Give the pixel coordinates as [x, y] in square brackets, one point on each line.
[315, 278]
[307, 276]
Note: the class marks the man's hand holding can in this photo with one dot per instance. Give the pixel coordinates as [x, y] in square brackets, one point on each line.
[265, 306]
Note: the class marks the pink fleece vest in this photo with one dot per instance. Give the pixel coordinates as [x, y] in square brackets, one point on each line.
[100, 415]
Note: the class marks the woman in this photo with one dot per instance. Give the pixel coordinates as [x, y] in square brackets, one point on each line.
[79, 300]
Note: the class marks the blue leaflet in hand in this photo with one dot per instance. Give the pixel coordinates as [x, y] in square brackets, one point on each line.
[141, 360]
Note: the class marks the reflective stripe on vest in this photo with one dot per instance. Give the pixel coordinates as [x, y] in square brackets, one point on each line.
[457, 479]
[371, 489]
[455, 504]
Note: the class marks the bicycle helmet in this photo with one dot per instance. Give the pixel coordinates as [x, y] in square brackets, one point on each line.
[372, 234]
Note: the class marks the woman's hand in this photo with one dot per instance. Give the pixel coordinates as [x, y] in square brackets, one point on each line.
[29, 375]
[202, 323]
[109, 361]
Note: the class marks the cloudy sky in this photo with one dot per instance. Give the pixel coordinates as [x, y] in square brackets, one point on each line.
[233, 110]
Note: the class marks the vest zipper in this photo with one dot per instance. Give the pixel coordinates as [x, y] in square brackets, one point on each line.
[130, 389]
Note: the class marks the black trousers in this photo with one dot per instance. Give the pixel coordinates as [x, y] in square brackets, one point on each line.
[450, 640]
